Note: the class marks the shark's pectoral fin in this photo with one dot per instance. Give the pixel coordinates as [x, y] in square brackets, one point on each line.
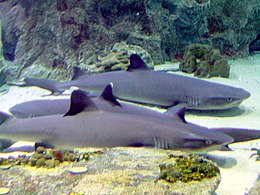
[108, 95]
[43, 144]
[4, 117]
[225, 148]
[177, 111]
[17, 84]
[137, 63]
[79, 102]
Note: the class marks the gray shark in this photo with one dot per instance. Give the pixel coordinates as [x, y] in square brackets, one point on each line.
[107, 101]
[139, 84]
[85, 125]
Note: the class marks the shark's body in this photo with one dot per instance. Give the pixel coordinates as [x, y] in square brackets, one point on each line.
[139, 84]
[85, 125]
[107, 102]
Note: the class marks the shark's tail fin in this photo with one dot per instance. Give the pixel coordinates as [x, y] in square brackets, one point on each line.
[239, 134]
[44, 84]
[5, 143]
[4, 117]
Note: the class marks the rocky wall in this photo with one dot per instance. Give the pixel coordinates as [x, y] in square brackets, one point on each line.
[49, 37]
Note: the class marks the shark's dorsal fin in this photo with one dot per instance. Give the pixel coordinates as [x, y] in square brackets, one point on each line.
[136, 63]
[79, 102]
[108, 95]
[178, 111]
[78, 72]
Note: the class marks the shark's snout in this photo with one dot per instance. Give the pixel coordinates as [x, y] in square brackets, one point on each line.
[244, 94]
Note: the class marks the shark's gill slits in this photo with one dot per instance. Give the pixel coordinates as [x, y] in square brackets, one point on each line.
[192, 101]
[160, 143]
[208, 142]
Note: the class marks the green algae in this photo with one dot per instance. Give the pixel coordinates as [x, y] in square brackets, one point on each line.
[187, 169]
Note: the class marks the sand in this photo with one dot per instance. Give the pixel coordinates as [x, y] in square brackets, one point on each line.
[238, 171]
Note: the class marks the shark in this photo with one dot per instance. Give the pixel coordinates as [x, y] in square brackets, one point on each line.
[86, 125]
[107, 101]
[142, 85]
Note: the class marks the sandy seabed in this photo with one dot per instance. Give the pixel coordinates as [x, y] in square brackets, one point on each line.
[238, 171]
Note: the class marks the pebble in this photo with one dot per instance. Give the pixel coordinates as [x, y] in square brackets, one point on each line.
[4, 191]
[78, 170]
[5, 167]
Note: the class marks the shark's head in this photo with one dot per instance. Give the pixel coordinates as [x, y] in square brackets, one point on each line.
[194, 138]
[205, 144]
[220, 97]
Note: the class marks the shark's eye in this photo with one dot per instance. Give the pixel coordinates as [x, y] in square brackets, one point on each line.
[208, 142]
[230, 99]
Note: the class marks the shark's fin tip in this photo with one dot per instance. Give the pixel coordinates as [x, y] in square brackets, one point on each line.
[108, 95]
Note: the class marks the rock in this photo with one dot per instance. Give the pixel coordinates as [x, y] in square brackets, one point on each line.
[114, 171]
[204, 61]
[57, 35]
[117, 59]
[152, 44]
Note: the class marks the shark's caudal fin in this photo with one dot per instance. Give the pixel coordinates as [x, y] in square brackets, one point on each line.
[4, 117]
[78, 72]
[44, 84]
[136, 63]
[79, 102]
[239, 135]
[108, 95]
[178, 111]
[5, 143]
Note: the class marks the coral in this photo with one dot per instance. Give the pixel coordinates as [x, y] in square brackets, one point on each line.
[204, 61]
[188, 168]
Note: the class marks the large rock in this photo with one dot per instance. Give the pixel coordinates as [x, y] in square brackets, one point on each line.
[63, 33]
[117, 59]
[204, 61]
[115, 171]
